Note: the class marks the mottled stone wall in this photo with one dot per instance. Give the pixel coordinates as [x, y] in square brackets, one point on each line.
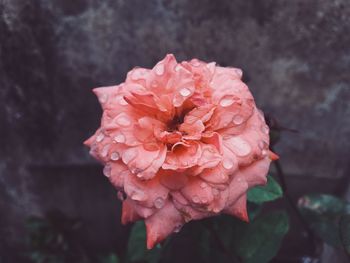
[295, 56]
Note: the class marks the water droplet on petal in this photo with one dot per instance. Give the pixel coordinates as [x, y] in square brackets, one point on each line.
[137, 171]
[115, 156]
[138, 195]
[216, 210]
[204, 200]
[215, 192]
[227, 164]
[138, 73]
[264, 152]
[240, 146]
[123, 121]
[261, 145]
[159, 202]
[261, 115]
[134, 76]
[238, 119]
[185, 92]
[159, 69]
[177, 228]
[105, 150]
[103, 98]
[203, 185]
[100, 137]
[121, 195]
[195, 199]
[239, 72]
[121, 100]
[154, 84]
[195, 63]
[107, 170]
[226, 101]
[120, 138]
[177, 68]
[129, 155]
[265, 129]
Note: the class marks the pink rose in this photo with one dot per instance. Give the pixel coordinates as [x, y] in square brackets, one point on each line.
[183, 141]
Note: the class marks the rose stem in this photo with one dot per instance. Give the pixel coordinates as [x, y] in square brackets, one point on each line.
[288, 198]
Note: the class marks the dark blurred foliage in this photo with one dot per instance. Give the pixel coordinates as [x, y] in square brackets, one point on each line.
[54, 239]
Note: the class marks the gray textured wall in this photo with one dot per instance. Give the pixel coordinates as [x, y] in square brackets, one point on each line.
[295, 56]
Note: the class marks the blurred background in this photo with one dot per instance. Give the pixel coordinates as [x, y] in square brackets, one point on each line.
[295, 57]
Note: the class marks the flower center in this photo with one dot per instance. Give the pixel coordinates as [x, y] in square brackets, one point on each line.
[178, 119]
[175, 123]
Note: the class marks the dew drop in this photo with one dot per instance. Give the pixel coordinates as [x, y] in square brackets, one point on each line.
[93, 151]
[115, 156]
[226, 101]
[261, 115]
[123, 121]
[137, 171]
[107, 170]
[177, 68]
[215, 192]
[264, 152]
[185, 92]
[100, 137]
[137, 74]
[160, 69]
[121, 195]
[195, 63]
[105, 150]
[120, 138]
[239, 72]
[103, 98]
[129, 155]
[137, 195]
[134, 76]
[121, 100]
[204, 200]
[227, 164]
[240, 146]
[203, 185]
[177, 228]
[195, 199]
[159, 202]
[261, 145]
[216, 210]
[238, 119]
[265, 129]
[154, 84]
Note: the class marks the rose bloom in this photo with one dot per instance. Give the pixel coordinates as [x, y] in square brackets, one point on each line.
[181, 141]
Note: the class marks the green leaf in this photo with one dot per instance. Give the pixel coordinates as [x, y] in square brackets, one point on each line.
[137, 250]
[262, 238]
[137, 242]
[253, 210]
[260, 194]
[344, 232]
